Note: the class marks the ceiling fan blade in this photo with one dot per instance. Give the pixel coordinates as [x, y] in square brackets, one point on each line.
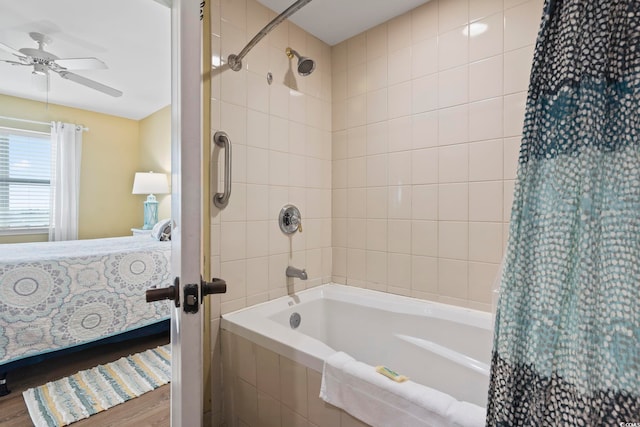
[89, 83]
[13, 62]
[81, 63]
[11, 50]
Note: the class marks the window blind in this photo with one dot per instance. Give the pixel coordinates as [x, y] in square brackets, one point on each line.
[25, 173]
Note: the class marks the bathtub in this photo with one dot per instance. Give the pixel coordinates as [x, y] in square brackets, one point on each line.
[440, 346]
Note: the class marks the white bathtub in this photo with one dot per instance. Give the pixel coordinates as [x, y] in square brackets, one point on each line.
[440, 346]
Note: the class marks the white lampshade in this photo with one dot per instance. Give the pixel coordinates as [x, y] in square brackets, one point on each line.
[150, 183]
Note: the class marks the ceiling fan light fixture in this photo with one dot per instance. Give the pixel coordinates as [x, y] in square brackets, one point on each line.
[40, 79]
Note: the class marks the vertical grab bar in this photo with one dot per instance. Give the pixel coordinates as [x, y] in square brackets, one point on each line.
[221, 139]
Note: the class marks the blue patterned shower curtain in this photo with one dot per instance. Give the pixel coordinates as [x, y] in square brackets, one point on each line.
[567, 333]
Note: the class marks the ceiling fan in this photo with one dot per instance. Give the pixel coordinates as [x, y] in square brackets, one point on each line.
[43, 62]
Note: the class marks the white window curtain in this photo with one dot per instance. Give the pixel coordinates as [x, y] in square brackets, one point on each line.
[66, 153]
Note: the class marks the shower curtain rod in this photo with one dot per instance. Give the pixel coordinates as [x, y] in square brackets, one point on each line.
[235, 61]
[36, 122]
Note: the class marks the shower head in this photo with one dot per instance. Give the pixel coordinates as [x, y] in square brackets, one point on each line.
[305, 65]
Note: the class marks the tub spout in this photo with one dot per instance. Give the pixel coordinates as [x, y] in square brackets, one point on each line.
[294, 272]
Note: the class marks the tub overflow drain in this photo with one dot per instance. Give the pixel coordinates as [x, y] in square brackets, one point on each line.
[295, 320]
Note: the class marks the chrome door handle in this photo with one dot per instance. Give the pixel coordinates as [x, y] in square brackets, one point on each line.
[221, 139]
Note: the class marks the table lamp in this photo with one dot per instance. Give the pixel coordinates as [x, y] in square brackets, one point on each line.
[150, 183]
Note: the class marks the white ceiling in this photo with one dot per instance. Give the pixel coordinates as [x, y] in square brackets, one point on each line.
[133, 38]
[333, 21]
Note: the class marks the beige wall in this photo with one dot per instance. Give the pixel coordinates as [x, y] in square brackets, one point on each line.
[155, 153]
[426, 131]
[113, 149]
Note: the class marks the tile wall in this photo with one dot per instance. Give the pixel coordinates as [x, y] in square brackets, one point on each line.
[427, 112]
[265, 389]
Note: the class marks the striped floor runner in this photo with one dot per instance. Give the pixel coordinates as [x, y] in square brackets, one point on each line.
[62, 402]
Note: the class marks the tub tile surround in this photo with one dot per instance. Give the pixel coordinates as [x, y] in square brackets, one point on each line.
[265, 389]
[432, 191]
[400, 151]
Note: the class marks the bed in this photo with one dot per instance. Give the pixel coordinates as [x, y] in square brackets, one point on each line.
[56, 296]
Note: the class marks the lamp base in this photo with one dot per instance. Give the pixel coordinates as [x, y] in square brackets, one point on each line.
[150, 212]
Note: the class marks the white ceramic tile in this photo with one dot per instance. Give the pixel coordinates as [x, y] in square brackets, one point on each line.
[377, 202]
[517, 68]
[424, 274]
[257, 273]
[400, 202]
[424, 202]
[424, 57]
[377, 42]
[356, 203]
[278, 168]
[257, 166]
[232, 244]
[236, 210]
[298, 140]
[453, 87]
[485, 160]
[357, 142]
[399, 236]
[424, 21]
[268, 411]
[357, 172]
[233, 120]
[339, 232]
[453, 49]
[398, 71]
[356, 50]
[376, 267]
[357, 111]
[377, 138]
[399, 32]
[514, 109]
[339, 115]
[511, 154]
[481, 8]
[399, 168]
[299, 103]
[508, 199]
[278, 134]
[399, 270]
[453, 202]
[258, 92]
[257, 202]
[339, 173]
[424, 129]
[399, 98]
[453, 125]
[339, 57]
[485, 241]
[453, 240]
[377, 105]
[234, 273]
[357, 80]
[257, 239]
[257, 129]
[521, 24]
[485, 78]
[482, 277]
[424, 166]
[339, 145]
[486, 37]
[425, 93]
[297, 170]
[377, 170]
[356, 264]
[453, 163]
[376, 74]
[268, 372]
[485, 201]
[453, 278]
[279, 100]
[485, 119]
[400, 134]
[424, 240]
[339, 86]
[452, 14]
[376, 233]
[293, 385]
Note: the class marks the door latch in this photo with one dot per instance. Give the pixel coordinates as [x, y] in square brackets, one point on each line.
[191, 298]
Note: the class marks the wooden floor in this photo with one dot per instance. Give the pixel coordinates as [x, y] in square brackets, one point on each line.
[150, 409]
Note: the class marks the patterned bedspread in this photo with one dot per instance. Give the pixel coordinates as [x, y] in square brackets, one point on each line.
[55, 295]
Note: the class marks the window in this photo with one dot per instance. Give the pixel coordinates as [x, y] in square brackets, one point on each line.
[25, 174]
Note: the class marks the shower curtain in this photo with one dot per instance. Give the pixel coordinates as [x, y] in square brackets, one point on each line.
[567, 331]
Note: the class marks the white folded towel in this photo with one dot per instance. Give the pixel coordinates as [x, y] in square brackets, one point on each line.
[380, 402]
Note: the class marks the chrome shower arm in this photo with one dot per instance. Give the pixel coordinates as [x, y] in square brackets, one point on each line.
[235, 61]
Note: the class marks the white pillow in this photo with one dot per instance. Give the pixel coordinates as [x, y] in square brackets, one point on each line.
[162, 230]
